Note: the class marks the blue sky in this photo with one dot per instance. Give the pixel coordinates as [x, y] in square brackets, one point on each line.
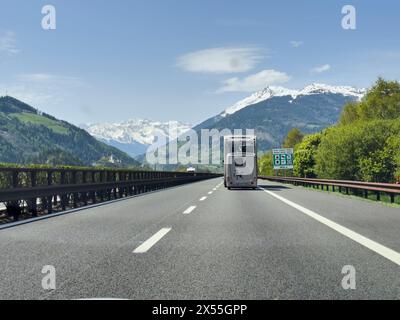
[186, 60]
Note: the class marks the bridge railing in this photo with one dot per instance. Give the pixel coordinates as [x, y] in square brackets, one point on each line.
[358, 187]
[29, 192]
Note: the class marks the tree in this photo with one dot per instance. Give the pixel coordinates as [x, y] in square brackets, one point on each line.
[393, 144]
[366, 143]
[365, 150]
[304, 156]
[381, 102]
[349, 113]
[294, 137]
[265, 164]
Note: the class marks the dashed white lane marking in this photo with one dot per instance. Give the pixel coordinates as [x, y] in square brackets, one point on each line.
[145, 246]
[364, 241]
[189, 210]
[210, 192]
[203, 198]
[215, 189]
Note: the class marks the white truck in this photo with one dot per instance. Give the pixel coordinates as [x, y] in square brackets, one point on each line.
[240, 161]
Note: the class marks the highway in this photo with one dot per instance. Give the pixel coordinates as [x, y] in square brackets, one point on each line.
[201, 241]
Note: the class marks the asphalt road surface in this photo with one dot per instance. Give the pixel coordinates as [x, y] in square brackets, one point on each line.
[201, 241]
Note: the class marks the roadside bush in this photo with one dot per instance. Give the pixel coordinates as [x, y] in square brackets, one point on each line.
[361, 151]
[304, 156]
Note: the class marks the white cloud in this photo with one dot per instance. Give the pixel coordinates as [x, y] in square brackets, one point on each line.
[221, 60]
[254, 82]
[8, 43]
[320, 69]
[296, 44]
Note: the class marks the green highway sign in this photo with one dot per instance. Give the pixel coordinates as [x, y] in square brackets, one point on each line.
[283, 158]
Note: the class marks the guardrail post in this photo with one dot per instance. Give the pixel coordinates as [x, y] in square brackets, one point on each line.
[134, 178]
[145, 186]
[75, 195]
[378, 196]
[126, 188]
[33, 201]
[120, 189]
[94, 191]
[130, 185]
[13, 207]
[63, 196]
[391, 197]
[108, 190]
[101, 192]
[84, 194]
[15, 182]
[114, 177]
[50, 198]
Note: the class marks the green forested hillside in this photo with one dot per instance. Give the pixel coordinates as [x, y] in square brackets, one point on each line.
[28, 136]
[364, 145]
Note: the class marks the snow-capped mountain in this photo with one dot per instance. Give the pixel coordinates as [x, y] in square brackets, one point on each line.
[272, 112]
[135, 135]
[274, 91]
[259, 96]
[347, 91]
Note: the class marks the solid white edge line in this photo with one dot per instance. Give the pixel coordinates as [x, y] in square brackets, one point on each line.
[189, 210]
[146, 246]
[364, 241]
[203, 198]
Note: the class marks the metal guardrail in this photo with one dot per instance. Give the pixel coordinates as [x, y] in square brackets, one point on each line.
[390, 189]
[29, 192]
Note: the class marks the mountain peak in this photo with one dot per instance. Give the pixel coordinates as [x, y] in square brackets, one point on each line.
[276, 91]
[264, 94]
[140, 131]
[316, 88]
